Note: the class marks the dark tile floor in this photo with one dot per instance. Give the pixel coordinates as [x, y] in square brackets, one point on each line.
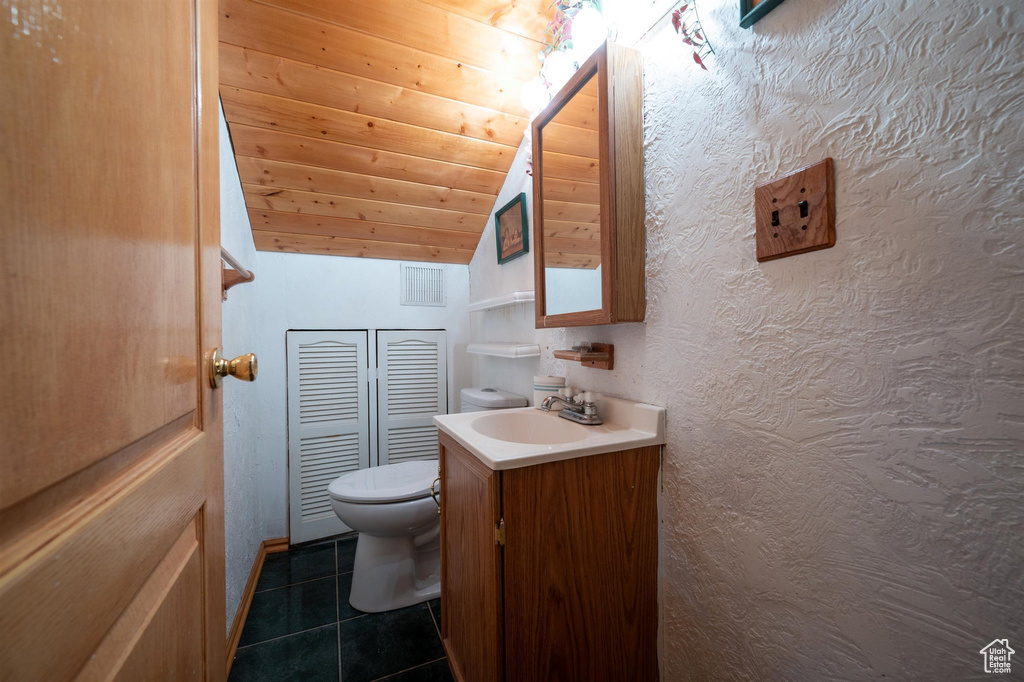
[301, 626]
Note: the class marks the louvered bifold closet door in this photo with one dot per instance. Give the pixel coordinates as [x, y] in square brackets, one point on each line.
[412, 387]
[328, 425]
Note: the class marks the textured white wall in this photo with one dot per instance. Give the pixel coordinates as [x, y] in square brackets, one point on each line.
[844, 473]
[301, 291]
[242, 526]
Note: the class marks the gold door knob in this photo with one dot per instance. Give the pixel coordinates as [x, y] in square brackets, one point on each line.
[243, 367]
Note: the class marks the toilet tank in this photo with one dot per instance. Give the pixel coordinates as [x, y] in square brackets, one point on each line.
[480, 399]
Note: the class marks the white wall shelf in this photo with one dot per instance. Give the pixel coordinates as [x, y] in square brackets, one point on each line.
[505, 350]
[503, 301]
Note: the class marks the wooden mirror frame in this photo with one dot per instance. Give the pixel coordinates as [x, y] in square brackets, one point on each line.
[595, 66]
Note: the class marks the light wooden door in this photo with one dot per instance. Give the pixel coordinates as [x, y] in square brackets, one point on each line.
[471, 566]
[111, 490]
[328, 425]
[412, 387]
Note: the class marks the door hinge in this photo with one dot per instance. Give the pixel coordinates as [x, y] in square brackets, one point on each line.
[499, 533]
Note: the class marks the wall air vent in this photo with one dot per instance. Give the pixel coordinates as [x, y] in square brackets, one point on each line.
[423, 285]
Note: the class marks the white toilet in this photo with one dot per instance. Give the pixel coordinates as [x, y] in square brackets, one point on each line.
[398, 553]
[479, 399]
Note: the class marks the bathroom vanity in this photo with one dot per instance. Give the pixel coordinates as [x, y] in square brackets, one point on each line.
[549, 544]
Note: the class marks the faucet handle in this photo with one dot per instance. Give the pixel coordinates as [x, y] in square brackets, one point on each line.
[567, 392]
[591, 396]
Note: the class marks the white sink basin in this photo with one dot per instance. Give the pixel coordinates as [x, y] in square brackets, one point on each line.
[533, 428]
[525, 436]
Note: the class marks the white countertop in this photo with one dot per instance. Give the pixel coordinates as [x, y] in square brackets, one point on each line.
[627, 425]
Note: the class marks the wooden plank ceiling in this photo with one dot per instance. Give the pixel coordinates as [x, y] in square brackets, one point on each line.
[378, 129]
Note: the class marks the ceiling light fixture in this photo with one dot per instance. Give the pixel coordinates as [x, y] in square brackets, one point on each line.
[577, 30]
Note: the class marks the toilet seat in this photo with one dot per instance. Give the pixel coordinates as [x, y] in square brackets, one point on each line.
[383, 484]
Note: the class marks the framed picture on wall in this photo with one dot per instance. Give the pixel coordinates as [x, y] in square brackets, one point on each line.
[751, 11]
[512, 230]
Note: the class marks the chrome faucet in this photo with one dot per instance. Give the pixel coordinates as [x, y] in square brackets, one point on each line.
[583, 412]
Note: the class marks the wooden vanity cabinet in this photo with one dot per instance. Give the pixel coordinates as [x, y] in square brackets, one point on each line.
[549, 572]
[472, 600]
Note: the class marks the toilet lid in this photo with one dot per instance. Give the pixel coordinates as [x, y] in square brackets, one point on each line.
[388, 483]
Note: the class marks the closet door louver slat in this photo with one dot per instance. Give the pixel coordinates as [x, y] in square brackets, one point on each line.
[412, 387]
[328, 424]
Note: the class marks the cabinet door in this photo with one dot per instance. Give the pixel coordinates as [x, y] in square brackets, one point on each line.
[581, 569]
[412, 387]
[328, 425]
[471, 594]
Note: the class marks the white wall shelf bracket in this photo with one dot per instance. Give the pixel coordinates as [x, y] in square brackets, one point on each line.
[503, 301]
[505, 350]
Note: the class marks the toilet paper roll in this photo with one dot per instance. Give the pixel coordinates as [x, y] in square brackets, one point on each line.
[543, 386]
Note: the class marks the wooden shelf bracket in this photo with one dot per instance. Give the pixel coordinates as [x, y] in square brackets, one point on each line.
[236, 274]
[600, 356]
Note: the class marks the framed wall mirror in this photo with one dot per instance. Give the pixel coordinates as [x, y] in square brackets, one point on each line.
[588, 196]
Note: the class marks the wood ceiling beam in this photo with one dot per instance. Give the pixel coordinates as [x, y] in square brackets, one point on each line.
[357, 248]
[280, 175]
[256, 71]
[568, 230]
[269, 144]
[430, 29]
[527, 18]
[579, 113]
[565, 139]
[274, 31]
[273, 75]
[571, 190]
[386, 130]
[555, 259]
[294, 223]
[572, 212]
[312, 120]
[588, 247]
[570, 167]
[312, 203]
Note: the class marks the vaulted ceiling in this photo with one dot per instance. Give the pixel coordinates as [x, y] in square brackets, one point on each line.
[376, 129]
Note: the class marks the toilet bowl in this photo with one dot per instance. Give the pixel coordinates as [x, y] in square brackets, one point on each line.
[398, 553]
